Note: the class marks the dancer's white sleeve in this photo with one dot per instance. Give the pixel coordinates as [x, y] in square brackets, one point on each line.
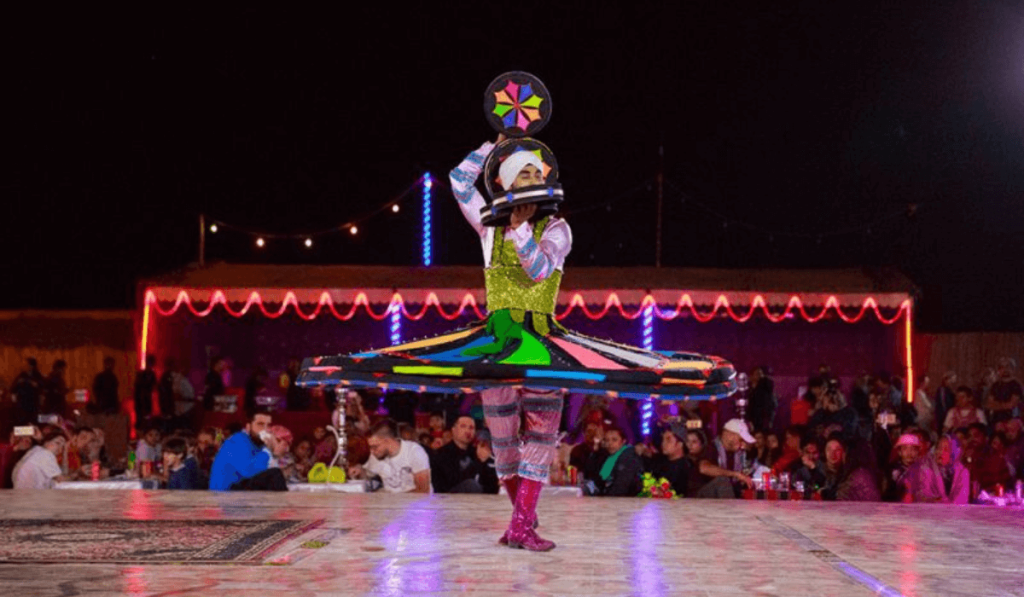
[463, 179]
[539, 260]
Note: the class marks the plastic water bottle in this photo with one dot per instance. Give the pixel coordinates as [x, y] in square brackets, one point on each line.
[131, 460]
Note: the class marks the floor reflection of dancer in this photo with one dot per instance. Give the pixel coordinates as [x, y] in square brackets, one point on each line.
[522, 457]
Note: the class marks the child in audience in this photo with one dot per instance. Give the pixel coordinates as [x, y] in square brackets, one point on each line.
[206, 449]
[303, 452]
[148, 448]
[181, 471]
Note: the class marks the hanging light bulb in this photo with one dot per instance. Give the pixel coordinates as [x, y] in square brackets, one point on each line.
[308, 243]
[394, 208]
[213, 228]
[260, 242]
[353, 230]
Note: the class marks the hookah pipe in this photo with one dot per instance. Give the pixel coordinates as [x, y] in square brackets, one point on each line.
[337, 427]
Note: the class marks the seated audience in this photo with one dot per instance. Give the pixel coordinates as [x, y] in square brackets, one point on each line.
[181, 471]
[998, 445]
[406, 431]
[148, 448]
[461, 466]
[38, 468]
[206, 450]
[965, 412]
[906, 452]
[15, 451]
[708, 480]
[76, 451]
[672, 464]
[303, 454]
[811, 470]
[856, 480]
[1015, 445]
[593, 434]
[760, 449]
[833, 414]
[242, 463]
[774, 450]
[988, 470]
[619, 474]
[281, 455]
[939, 477]
[401, 465]
[789, 458]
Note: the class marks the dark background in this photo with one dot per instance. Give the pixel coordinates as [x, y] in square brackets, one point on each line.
[799, 134]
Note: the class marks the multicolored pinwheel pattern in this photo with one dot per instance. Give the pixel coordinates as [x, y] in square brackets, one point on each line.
[517, 105]
[473, 358]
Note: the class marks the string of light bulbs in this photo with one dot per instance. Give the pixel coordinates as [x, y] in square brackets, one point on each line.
[306, 239]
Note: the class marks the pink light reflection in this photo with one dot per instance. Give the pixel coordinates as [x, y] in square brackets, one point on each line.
[648, 576]
[416, 566]
[135, 581]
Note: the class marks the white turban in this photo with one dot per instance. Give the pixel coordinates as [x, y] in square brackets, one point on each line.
[514, 164]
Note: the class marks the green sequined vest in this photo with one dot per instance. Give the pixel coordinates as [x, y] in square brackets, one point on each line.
[508, 285]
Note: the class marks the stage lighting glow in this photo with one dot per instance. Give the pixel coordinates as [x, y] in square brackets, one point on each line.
[260, 242]
[647, 408]
[427, 233]
[394, 208]
[353, 230]
[213, 228]
[396, 323]
[308, 243]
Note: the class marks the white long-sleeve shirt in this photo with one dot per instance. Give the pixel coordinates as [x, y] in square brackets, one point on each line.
[539, 260]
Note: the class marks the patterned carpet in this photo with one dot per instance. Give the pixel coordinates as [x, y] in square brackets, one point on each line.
[146, 541]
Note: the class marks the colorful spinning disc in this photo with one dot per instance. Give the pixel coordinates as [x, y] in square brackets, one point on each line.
[517, 104]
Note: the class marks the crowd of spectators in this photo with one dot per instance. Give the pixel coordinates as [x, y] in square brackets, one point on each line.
[864, 442]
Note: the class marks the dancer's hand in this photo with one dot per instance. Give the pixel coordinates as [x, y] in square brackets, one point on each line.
[522, 213]
[501, 137]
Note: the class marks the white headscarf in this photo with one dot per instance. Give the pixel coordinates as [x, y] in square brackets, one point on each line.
[514, 164]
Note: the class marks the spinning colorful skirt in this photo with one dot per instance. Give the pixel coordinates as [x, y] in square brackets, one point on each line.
[520, 345]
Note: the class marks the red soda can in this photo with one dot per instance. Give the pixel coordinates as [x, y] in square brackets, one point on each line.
[999, 490]
[96, 470]
[766, 478]
[147, 469]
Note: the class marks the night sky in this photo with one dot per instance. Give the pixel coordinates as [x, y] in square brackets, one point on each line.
[802, 135]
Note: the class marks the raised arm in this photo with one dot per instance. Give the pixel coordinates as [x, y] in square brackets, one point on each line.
[539, 260]
[463, 179]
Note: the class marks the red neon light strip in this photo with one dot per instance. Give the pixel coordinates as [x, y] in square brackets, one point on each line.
[794, 306]
[144, 344]
[908, 339]
[469, 302]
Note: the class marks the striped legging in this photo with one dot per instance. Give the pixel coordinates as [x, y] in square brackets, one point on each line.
[527, 454]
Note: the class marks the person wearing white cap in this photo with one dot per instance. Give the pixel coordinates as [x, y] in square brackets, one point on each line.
[732, 462]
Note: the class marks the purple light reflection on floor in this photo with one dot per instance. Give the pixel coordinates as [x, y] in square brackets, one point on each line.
[416, 567]
[648, 575]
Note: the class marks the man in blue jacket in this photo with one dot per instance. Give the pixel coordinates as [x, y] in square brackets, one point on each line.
[242, 461]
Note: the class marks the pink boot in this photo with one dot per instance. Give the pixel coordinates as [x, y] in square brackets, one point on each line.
[520, 530]
[512, 487]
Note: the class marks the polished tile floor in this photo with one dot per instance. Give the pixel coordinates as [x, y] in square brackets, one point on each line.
[377, 544]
